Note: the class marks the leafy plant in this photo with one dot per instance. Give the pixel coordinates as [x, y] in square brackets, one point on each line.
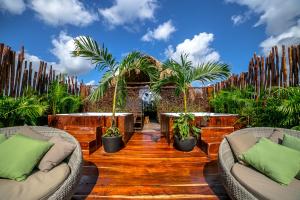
[60, 101]
[182, 74]
[20, 111]
[277, 108]
[114, 72]
[183, 126]
[290, 106]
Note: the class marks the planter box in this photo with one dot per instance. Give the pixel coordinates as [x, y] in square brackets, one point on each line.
[103, 120]
[215, 121]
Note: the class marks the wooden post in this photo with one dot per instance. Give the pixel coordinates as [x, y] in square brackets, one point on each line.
[276, 67]
[290, 67]
[295, 67]
[283, 68]
[30, 75]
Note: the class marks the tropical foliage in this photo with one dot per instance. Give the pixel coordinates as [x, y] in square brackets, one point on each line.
[114, 72]
[31, 109]
[20, 111]
[182, 73]
[278, 108]
[183, 126]
[60, 101]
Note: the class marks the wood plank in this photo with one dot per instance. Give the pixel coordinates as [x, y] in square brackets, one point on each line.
[147, 169]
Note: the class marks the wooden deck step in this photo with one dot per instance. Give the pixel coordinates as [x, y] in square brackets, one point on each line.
[211, 147]
[211, 138]
[89, 138]
[88, 143]
[215, 132]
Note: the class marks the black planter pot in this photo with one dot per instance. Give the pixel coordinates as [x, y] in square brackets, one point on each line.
[112, 144]
[187, 144]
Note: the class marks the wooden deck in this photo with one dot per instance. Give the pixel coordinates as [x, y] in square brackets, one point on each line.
[147, 168]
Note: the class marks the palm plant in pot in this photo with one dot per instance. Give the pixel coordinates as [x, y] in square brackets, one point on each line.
[114, 77]
[181, 74]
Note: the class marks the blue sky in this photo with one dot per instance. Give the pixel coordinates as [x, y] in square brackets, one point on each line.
[229, 31]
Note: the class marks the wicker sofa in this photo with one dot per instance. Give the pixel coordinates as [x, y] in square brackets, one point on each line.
[233, 186]
[74, 161]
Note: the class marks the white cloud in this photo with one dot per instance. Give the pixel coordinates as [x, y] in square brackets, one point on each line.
[198, 49]
[92, 82]
[278, 15]
[289, 37]
[129, 11]
[62, 47]
[36, 62]
[240, 19]
[60, 12]
[13, 6]
[162, 32]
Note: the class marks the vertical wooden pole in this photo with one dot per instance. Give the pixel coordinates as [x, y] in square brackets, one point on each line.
[284, 68]
[30, 75]
[276, 67]
[290, 67]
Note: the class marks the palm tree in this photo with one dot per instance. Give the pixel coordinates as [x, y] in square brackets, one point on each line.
[115, 72]
[183, 73]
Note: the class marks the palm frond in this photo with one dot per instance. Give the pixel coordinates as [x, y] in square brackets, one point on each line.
[105, 83]
[211, 71]
[87, 47]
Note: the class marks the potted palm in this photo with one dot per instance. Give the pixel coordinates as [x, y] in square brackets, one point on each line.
[114, 75]
[181, 74]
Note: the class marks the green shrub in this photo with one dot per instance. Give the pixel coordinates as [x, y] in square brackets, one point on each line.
[279, 107]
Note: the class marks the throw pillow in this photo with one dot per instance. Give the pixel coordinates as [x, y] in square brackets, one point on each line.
[278, 162]
[241, 143]
[276, 136]
[19, 155]
[29, 132]
[58, 152]
[292, 142]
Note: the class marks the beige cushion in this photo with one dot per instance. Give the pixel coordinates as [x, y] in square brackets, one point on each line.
[29, 132]
[276, 136]
[58, 152]
[241, 143]
[264, 188]
[39, 185]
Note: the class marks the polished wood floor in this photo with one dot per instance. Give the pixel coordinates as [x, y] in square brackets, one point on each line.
[147, 168]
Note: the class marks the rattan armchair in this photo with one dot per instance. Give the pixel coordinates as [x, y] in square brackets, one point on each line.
[66, 190]
[226, 160]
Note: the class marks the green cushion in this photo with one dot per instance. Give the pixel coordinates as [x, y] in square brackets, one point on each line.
[2, 138]
[19, 155]
[292, 142]
[278, 162]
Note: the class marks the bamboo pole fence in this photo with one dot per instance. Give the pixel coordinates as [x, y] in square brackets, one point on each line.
[264, 73]
[18, 75]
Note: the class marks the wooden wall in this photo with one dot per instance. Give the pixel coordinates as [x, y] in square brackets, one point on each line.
[280, 68]
[18, 75]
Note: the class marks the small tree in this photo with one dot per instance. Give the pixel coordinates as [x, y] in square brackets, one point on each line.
[182, 74]
[114, 72]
